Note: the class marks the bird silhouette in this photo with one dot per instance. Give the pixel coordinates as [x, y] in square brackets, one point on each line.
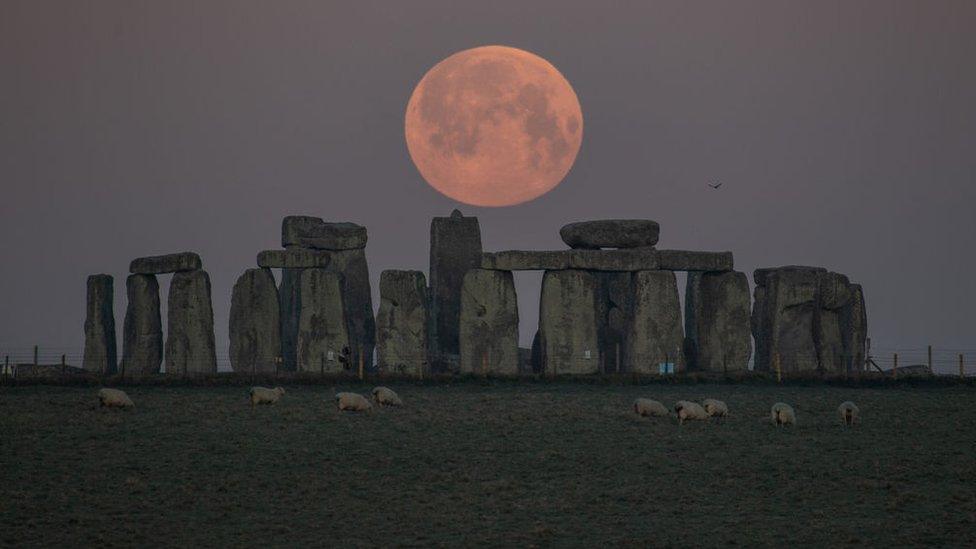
[715, 186]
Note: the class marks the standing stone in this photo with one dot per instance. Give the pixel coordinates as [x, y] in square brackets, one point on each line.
[536, 353]
[834, 296]
[255, 324]
[654, 335]
[854, 330]
[717, 309]
[323, 338]
[401, 324]
[568, 325]
[614, 302]
[783, 318]
[289, 300]
[455, 248]
[100, 348]
[357, 301]
[142, 330]
[488, 331]
[190, 348]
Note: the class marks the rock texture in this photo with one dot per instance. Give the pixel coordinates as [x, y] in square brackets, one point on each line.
[643, 259]
[611, 233]
[654, 334]
[100, 347]
[142, 330]
[401, 324]
[455, 248]
[323, 338]
[717, 310]
[294, 258]
[568, 325]
[488, 330]
[290, 309]
[190, 348]
[170, 263]
[255, 323]
[814, 320]
[615, 295]
[312, 232]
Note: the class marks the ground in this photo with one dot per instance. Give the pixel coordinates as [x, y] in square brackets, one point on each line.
[482, 463]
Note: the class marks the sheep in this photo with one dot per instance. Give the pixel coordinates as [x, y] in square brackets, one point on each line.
[689, 410]
[782, 414]
[114, 398]
[353, 402]
[849, 413]
[263, 395]
[384, 396]
[715, 408]
[646, 407]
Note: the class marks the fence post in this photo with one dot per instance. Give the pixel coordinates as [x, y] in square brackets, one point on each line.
[894, 369]
[930, 360]
[362, 373]
[779, 368]
[962, 369]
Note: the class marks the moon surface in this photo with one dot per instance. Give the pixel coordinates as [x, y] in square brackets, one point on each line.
[493, 126]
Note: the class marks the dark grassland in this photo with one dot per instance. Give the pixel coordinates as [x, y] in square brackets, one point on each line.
[486, 464]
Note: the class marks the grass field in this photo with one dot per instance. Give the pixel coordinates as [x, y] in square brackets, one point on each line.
[486, 464]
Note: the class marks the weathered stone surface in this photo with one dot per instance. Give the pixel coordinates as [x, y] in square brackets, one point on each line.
[568, 324]
[806, 315]
[323, 338]
[294, 258]
[401, 323]
[455, 248]
[611, 233]
[854, 330]
[142, 330]
[488, 331]
[644, 259]
[537, 364]
[717, 309]
[100, 347]
[614, 302]
[255, 322]
[170, 263]
[190, 348]
[290, 309]
[313, 232]
[654, 334]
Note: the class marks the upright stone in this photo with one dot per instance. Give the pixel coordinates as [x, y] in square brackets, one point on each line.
[190, 348]
[717, 309]
[488, 330]
[834, 297]
[100, 347]
[783, 315]
[290, 309]
[654, 334]
[357, 301]
[142, 330]
[568, 324]
[455, 248]
[255, 323]
[323, 338]
[401, 324]
[854, 329]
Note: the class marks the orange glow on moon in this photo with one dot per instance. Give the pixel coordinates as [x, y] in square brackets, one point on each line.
[493, 126]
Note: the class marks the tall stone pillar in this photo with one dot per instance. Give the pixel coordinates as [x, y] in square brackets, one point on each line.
[401, 324]
[488, 329]
[455, 248]
[717, 309]
[654, 334]
[255, 323]
[100, 347]
[568, 324]
[190, 348]
[142, 330]
[323, 337]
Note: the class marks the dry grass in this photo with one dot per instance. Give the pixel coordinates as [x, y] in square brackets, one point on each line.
[486, 464]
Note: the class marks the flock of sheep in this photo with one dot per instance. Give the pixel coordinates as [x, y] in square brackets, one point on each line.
[780, 414]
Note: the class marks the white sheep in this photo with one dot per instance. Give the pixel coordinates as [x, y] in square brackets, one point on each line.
[689, 410]
[114, 398]
[715, 408]
[849, 413]
[646, 407]
[782, 414]
[263, 395]
[353, 402]
[384, 396]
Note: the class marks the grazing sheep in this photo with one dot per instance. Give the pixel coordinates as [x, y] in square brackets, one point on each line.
[849, 413]
[114, 398]
[689, 410]
[263, 395]
[353, 402]
[646, 407]
[384, 396]
[782, 414]
[715, 408]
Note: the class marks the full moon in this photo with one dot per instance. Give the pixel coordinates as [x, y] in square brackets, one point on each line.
[493, 126]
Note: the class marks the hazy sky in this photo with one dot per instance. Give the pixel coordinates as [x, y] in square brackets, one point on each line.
[844, 133]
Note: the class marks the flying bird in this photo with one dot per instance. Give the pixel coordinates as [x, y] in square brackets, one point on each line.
[715, 185]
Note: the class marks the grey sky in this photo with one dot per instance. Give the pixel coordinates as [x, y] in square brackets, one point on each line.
[844, 133]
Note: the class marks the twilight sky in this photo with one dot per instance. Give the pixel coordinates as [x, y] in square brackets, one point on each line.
[844, 133]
